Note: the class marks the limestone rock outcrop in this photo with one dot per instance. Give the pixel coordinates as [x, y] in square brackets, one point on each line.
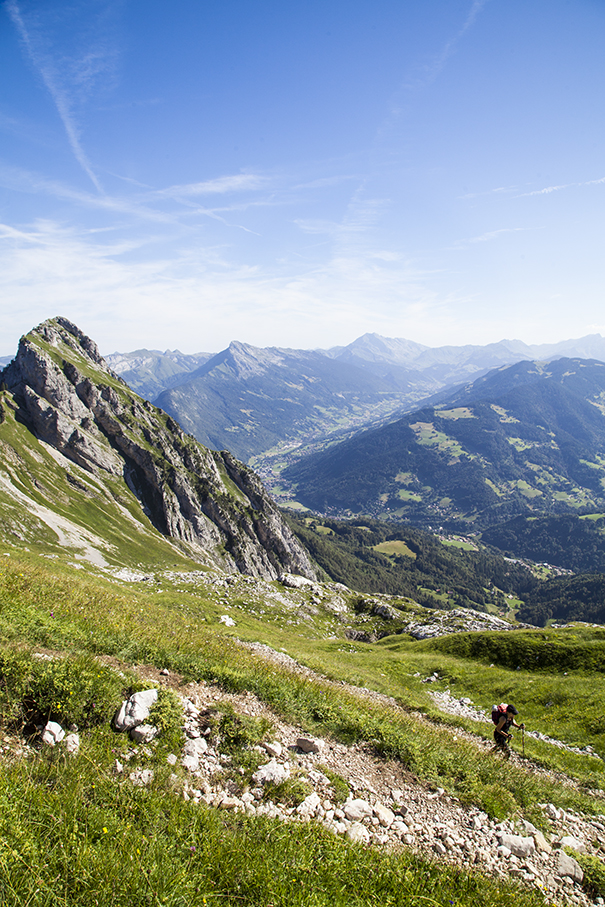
[70, 399]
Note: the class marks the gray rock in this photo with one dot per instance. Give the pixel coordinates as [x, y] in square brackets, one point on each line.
[72, 744]
[310, 745]
[143, 733]
[573, 844]
[568, 867]
[358, 833]
[230, 803]
[191, 763]
[272, 772]
[309, 806]
[552, 812]
[196, 746]
[357, 809]
[385, 816]
[135, 711]
[141, 777]
[519, 846]
[274, 748]
[542, 845]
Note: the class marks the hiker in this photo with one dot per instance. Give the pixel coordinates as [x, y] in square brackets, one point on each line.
[503, 717]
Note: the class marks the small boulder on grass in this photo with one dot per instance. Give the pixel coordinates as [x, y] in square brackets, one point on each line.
[53, 733]
[135, 711]
[143, 733]
[72, 744]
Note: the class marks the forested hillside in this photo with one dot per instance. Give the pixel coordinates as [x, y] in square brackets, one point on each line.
[565, 598]
[529, 438]
[575, 543]
[371, 556]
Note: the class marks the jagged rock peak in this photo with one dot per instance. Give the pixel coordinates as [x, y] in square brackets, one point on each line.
[48, 330]
[215, 505]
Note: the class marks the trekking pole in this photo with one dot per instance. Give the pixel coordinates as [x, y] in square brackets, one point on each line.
[523, 740]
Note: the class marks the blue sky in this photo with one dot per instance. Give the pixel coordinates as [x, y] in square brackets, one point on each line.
[297, 174]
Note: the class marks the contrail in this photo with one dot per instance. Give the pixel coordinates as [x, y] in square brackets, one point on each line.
[59, 96]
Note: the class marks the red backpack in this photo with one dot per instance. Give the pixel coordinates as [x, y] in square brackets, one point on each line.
[498, 711]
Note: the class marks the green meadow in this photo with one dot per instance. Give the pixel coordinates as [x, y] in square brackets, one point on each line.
[72, 835]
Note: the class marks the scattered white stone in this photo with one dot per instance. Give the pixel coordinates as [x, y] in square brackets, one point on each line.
[53, 733]
[72, 744]
[190, 709]
[293, 581]
[172, 759]
[191, 763]
[228, 621]
[143, 733]
[573, 844]
[272, 772]
[309, 806]
[195, 747]
[358, 833]
[274, 748]
[141, 777]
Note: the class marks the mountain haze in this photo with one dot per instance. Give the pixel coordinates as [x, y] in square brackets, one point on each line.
[270, 406]
[251, 400]
[529, 437]
[149, 372]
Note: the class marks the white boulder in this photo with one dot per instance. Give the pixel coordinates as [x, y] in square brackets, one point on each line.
[53, 733]
[135, 711]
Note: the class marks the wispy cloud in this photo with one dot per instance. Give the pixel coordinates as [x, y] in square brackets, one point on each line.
[239, 182]
[110, 293]
[67, 81]
[549, 189]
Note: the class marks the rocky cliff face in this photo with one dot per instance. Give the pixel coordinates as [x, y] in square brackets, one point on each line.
[70, 399]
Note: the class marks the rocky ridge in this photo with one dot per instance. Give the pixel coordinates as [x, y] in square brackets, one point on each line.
[218, 508]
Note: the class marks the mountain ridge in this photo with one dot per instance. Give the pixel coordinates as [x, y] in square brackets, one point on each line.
[61, 391]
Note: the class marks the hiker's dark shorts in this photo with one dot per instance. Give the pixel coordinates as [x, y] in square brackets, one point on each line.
[501, 740]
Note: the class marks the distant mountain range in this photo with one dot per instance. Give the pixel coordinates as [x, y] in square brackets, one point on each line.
[524, 438]
[149, 372]
[267, 404]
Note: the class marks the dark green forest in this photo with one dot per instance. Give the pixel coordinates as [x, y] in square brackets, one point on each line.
[433, 573]
[439, 575]
[566, 598]
[575, 543]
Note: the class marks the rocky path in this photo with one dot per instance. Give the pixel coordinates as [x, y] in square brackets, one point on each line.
[386, 806]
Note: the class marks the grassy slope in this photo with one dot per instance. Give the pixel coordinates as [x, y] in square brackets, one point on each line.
[75, 836]
[101, 508]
